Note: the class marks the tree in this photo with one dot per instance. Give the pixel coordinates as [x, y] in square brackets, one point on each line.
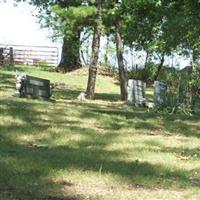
[71, 23]
[120, 58]
[113, 20]
[90, 91]
[70, 57]
[142, 29]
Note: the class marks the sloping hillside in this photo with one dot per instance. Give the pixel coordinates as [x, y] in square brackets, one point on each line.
[102, 149]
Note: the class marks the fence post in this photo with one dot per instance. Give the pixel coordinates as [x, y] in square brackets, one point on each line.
[1, 56]
[11, 56]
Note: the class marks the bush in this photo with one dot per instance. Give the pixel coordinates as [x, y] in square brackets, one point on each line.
[168, 75]
[145, 74]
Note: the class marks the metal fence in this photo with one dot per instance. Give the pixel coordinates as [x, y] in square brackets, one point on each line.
[29, 55]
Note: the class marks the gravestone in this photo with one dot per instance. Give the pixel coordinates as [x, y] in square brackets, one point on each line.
[37, 87]
[136, 92]
[29, 86]
[130, 92]
[160, 94]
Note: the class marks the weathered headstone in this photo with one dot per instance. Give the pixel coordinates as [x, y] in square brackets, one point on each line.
[37, 87]
[160, 94]
[136, 92]
[33, 87]
[130, 92]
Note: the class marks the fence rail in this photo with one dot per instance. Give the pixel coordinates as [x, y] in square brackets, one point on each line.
[29, 55]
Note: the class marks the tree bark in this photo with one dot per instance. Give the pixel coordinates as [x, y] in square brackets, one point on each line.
[194, 58]
[70, 57]
[192, 88]
[159, 67]
[120, 59]
[90, 91]
[146, 60]
[106, 52]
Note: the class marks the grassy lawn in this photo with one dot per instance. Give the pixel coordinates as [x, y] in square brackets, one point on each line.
[66, 149]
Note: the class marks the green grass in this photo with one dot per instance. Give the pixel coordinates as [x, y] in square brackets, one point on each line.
[67, 149]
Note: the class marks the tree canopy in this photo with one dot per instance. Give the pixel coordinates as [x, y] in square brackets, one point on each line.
[159, 28]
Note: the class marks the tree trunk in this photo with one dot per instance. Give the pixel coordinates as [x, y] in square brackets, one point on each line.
[106, 52]
[194, 58]
[70, 57]
[159, 67]
[146, 60]
[95, 54]
[120, 59]
[192, 88]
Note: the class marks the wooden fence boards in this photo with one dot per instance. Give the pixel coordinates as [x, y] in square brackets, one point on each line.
[31, 55]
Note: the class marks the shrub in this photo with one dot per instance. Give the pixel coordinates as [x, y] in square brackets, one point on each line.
[168, 75]
[145, 74]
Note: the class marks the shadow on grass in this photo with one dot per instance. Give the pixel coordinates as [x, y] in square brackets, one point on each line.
[26, 170]
[66, 94]
[23, 174]
[170, 123]
[107, 97]
[6, 80]
[72, 94]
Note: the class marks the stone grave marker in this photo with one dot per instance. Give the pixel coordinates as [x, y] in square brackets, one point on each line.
[130, 92]
[29, 86]
[37, 87]
[136, 92]
[160, 94]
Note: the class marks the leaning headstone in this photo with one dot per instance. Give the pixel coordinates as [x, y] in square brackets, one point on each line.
[29, 86]
[136, 92]
[160, 94]
[37, 87]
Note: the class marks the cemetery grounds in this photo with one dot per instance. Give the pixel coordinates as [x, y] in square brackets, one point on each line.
[68, 149]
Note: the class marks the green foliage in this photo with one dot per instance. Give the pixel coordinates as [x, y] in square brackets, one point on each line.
[72, 18]
[170, 76]
[173, 106]
[157, 27]
[167, 74]
[175, 109]
[145, 74]
[194, 79]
